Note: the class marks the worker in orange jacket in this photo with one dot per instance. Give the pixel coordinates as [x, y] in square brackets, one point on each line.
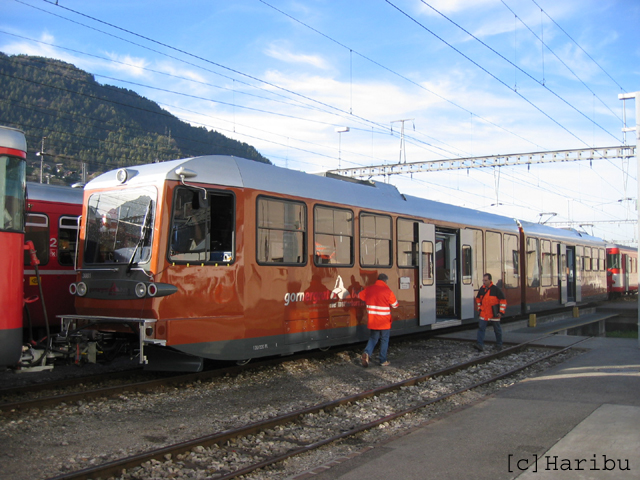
[379, 300]
[491, 303]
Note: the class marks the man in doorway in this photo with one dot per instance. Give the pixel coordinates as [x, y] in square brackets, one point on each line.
[491, 303]
[379, 300]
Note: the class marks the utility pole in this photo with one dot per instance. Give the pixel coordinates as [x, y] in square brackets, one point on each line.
[636, 96]
[402, 149]
[41, 155]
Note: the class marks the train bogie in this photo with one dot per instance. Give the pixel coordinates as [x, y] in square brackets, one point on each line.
[224, 258]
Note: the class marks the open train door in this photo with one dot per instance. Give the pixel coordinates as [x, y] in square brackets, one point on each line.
[426, 274]
[562, 272]
[465, 253]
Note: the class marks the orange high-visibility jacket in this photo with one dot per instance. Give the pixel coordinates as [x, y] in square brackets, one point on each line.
[380, 300]
[487, 298]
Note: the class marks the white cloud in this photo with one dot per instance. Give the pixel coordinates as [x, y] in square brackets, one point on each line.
[280, 51]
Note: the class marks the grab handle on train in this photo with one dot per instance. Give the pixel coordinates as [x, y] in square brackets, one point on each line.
[28, 245]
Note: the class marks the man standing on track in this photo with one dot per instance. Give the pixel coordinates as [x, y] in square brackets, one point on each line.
[379, 300]
[491, 304]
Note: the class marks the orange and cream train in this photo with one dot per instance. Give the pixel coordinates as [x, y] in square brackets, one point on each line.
[224, 258]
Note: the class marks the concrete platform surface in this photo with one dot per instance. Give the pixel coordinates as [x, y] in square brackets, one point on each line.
[579, 420]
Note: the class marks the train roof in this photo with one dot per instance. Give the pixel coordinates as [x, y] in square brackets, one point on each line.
[564, 234]
[239, 172]
[13, 138]
[625, 248]
[54, 193]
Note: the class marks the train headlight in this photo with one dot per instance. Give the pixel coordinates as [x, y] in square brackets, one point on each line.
[141, 290]
[81, 288]
[122, 175]
[73, 289]
[152, 289]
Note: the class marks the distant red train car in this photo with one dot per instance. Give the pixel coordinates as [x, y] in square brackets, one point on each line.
[52, 225]
[224, 258]
[622, 270]
[13, 154]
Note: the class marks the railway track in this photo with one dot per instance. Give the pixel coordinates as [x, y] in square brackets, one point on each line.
[268, 442]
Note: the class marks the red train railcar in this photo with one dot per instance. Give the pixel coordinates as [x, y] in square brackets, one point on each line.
[225, 258]
[52, 225]
[13, 154]
[622, 270]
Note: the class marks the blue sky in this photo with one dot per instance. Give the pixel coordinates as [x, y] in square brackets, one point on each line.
[470, 77]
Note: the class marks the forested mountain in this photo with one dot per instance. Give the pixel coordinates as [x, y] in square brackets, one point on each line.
[102, 126]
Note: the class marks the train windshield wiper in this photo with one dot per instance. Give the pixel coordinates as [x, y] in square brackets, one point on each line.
[144, 230]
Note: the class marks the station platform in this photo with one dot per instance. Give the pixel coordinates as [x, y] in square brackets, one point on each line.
[578, 420]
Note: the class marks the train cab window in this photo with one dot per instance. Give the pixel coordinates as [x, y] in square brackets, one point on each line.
[12, 170]
[202, 229]
[67, 237]
[120, 226]
[533, 262]
[333, 236]
[282, 232]
[546, 263]
[511, 257]
[37, 230]
[375, 240]
[407, 243]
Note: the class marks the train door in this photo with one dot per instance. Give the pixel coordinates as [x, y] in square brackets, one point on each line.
[571, 274]
[465, 254]
[626, 264]
[562, 272]
[426, 274]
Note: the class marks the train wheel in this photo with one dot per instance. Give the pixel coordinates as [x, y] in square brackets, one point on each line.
[242, 363]
[323, 349]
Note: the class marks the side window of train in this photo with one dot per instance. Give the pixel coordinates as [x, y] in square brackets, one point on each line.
[202, 230]
[282, 232]
[427, 263]
[493, 260]
[546, 264]
[533, 262]
[407, 243]
[375, 240]
[579, 259]
[333, 236]
[587, 259]
[37, 230]
[555, 264]
[602, 257]
[467, 265]
[511, 257]
[67, 236]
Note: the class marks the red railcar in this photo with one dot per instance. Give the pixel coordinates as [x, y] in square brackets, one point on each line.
[52, 219]
[225, 258]
[622, 270]
[13, 154]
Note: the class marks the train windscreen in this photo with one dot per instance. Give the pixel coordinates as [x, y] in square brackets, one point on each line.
[119, 226]
[12, 193]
